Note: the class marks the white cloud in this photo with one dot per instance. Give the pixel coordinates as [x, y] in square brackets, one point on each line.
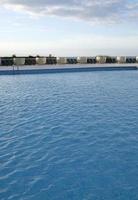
[99, 11]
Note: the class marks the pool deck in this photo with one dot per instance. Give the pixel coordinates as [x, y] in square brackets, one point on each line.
[37, 69]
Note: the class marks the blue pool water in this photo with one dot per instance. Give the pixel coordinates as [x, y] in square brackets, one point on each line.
[70, 136]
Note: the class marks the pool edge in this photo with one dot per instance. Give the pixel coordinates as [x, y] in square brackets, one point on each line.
[37, 70]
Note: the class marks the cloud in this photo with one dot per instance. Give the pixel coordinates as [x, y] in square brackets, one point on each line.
[94, 11]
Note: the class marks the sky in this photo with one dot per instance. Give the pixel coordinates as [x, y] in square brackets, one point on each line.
[68, 27]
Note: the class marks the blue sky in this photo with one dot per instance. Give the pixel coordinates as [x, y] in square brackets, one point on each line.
[69, 28]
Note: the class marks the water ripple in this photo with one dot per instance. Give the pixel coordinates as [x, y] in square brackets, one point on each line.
[69, 136]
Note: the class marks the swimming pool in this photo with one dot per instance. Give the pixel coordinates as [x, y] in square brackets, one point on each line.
[69, 136]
